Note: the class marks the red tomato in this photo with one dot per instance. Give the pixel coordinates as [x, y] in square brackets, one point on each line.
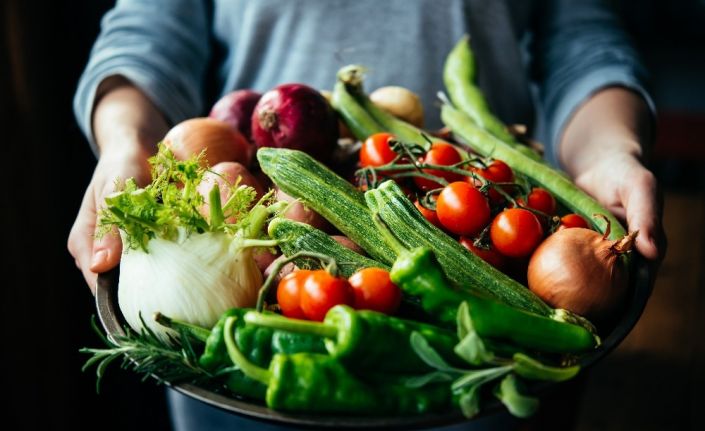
[498, 172]
[376, 150]
[516, 232]
[490, 255]
[374, 290]
[289, 293]
[428, 214]
[462, 209]
[321, 292]
[440, 154]
[573, 220]
[542, 200]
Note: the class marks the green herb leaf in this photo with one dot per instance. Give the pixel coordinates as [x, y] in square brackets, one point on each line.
[425, 379]
[148, 355]
[469, 401]
[509, 392]
[429, 355]
[471, 347]
[172, 202]
[530, 368]
[479, 377]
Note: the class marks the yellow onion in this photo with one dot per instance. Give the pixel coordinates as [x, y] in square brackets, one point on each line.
[221, 141]
[579, 270]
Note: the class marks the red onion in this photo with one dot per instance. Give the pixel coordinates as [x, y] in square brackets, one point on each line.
[235, 108]
[298, 117]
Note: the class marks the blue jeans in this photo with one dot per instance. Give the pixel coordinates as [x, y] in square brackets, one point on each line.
[188, 414]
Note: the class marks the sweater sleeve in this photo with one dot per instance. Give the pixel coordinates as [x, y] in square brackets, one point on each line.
[579, 49]
[160, 46]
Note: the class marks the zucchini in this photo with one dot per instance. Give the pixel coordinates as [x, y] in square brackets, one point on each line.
[541, 174]
[359, 121]
[463, 269]
[301, 176]
[296, 237]
[350, 77]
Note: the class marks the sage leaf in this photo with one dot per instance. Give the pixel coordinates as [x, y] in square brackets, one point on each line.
[518, 404]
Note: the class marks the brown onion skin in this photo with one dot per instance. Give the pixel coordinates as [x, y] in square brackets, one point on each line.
[578, 270]
[235, 108]
[298, 117]
[221, 142]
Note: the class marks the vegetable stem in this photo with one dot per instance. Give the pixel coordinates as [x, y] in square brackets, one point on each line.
[291, 325]
[216, 209]
[195, 331]
[248, 368]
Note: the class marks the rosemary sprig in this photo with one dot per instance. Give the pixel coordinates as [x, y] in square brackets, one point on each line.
[144, 353]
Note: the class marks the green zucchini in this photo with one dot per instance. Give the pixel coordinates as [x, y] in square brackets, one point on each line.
[350, 77]
[296, 237]
[463, 269]
[540, 174]
[299, 175]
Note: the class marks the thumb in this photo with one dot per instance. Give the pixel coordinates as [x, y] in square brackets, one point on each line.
[106, 252]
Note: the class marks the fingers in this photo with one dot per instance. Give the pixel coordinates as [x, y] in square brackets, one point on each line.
[644, 206]
[92, 256]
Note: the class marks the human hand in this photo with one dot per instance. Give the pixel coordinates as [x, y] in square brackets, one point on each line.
[626, 188]
[126, 127]
[602, 149]
[94, 256]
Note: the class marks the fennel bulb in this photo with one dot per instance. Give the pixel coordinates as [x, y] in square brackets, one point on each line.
[185, 256]
[194, 278]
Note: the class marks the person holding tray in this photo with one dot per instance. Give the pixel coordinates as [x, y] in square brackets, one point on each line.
[563, 68]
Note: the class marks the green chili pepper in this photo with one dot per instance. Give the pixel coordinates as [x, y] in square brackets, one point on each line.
[313, 382]
[260, 343]
[417, 273]
[366, 339]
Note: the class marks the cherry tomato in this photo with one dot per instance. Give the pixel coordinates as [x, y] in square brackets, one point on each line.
[321, 292]
[289, 293]
[498, 172]
[462, 209]
[428, 214]
[376, 150]
[490, 255]
[373, 290]
[573, 220]
[440, 154]
[542, 200]
[516, 232]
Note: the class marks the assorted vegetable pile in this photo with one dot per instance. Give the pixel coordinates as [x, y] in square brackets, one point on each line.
[468, 267]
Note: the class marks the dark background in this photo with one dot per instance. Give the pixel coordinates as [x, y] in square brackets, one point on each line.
[45, 306]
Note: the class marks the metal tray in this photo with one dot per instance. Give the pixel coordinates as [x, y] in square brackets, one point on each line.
[641, 283]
